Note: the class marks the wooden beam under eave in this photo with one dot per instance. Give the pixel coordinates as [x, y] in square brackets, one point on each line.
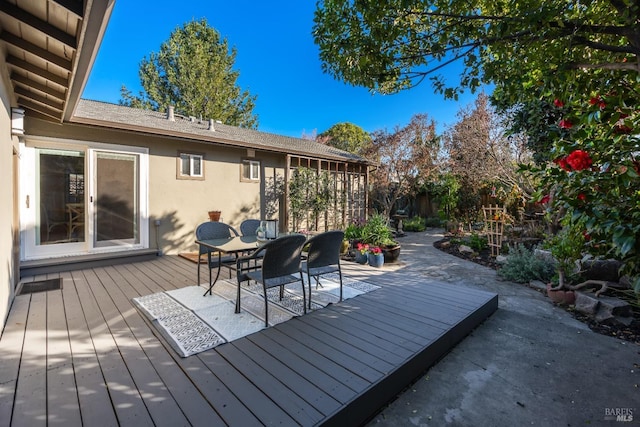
[31, 48]
[48, 102]
[27, 82]
[47, 75]
[72, 6]
[38, 24]
[30, 105]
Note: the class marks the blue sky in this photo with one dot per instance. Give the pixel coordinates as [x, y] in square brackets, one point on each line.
[277, 61]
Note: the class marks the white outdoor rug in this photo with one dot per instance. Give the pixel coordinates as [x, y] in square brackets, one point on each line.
[192, 323]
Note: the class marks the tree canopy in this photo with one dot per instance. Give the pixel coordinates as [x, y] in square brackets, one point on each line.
[346, 136]
[406, 158]
[194, 72]
[393, 45]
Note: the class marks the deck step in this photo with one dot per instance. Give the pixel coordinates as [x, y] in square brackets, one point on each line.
[80, 262]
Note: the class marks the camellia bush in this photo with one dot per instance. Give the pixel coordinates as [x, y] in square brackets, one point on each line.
[593, 179]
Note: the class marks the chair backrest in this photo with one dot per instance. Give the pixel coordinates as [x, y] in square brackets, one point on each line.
[324, 249]
[214, 230]
[248, 227]
[282, 256]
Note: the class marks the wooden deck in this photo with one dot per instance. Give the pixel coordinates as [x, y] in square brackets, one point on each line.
[84, 355]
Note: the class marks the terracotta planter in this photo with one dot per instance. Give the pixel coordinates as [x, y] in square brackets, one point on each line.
[561, 296]
[214, 215]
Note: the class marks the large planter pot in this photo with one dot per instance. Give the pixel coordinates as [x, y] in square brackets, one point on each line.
[561, 297]
[391, 253]
[361, 258]
[376, 260]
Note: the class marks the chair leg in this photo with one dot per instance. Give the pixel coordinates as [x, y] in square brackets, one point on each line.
[340, 275]
[266, 308]
[304, 297]
[309, 291]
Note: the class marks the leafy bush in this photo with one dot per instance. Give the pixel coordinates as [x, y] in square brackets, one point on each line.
[353, 232]
[376, 232]
[522, 266]
[433, 222]
[477, 242]
[416, 223]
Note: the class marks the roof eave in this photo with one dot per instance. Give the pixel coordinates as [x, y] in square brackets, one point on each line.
[92, 32]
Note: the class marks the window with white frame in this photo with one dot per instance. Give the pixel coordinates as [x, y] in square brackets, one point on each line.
[190, 165]
[250, 170]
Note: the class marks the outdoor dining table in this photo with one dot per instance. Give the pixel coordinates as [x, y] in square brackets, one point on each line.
[229, 245]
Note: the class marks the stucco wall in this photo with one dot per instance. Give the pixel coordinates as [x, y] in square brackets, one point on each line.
[179, 204]
[8, 226]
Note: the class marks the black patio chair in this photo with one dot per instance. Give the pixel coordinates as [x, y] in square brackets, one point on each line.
[280, 266]
[323, 257]
[215, 230]
[248, 227]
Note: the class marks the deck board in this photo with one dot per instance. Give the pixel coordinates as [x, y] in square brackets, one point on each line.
[31, 397]
[84, 355]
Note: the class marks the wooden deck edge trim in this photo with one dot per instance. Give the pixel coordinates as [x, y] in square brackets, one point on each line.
[369, 403]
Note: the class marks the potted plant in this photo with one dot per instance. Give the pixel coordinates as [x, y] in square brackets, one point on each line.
[376, 232]
[214, 215]
[362, 251]
[375, 256]
[566, 247]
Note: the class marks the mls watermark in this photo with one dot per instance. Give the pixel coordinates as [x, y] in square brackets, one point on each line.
[624, 415]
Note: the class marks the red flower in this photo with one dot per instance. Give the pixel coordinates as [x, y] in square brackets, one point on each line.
[599, 101]
[565, 124]
[586, 236]
[558, 103]
[545, 199]
[579, 160]
[582, 197]
[363, 249]
[562, 162]
[375, 250]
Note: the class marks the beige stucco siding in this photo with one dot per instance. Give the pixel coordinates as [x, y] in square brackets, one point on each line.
[181, 204]
[8, 222]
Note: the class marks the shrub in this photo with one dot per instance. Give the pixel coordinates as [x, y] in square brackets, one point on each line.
[376, 232]
[416, 223]
[477, 242]
[522, 266]
[353, 232]
[433, 222]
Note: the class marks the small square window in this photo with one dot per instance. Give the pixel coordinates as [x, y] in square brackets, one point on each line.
[190, 166]
[250, 170]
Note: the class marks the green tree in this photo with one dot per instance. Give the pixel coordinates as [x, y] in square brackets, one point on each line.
[393, 45]
[346, 136]
[194, 72]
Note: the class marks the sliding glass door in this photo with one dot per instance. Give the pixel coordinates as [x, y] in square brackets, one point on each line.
[83, 199]
[116, 199]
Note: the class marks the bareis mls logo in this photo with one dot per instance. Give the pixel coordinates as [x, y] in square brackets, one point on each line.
[618, 414]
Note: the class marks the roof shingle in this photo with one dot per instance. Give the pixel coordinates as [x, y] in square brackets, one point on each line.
[147, 121]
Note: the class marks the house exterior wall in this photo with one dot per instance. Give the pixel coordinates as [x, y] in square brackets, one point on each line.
[8, 215]
[181, 204]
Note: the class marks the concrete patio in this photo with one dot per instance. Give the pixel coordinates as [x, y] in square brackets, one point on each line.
[531, 363]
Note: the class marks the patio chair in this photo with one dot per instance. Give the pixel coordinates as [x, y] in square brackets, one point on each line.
[280, 266]
[248, 227]
[215, 230]
[323, 257]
